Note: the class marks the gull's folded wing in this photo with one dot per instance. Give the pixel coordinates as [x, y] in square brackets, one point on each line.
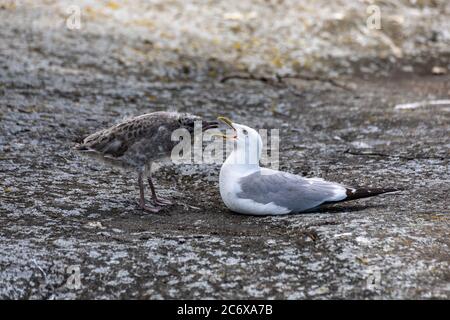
[288, 190]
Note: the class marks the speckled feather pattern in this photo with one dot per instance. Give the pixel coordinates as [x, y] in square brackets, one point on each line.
[137, 141]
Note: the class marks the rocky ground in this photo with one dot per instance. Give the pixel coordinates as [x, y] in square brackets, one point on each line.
[64, 218]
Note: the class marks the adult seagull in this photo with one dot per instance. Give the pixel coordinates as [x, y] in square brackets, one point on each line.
[247, 188]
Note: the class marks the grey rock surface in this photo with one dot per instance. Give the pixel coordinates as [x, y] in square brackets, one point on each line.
[63, 216]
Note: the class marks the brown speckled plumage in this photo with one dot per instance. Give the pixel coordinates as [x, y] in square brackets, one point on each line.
[137, 142]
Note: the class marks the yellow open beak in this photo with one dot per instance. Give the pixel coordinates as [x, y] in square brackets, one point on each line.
[228, 123]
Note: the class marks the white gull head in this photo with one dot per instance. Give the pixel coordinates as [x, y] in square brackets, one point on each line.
[247, 146]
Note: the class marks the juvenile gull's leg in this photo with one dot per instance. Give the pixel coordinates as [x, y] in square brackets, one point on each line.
[156, 200]
[142, 197]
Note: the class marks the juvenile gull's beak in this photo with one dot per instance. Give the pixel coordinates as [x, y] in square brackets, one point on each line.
[209, 125]
[228, 123]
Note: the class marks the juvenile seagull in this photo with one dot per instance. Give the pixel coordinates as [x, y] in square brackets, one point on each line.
[247, 188]
[137, 142]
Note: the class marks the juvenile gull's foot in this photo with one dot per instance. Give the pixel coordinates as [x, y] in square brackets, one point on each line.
[162, 202]
[150, 209]
[156, 200]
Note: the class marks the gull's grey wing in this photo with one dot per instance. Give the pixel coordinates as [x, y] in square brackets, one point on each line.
[288, 190]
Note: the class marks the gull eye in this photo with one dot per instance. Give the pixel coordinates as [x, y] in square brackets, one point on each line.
[244, 131]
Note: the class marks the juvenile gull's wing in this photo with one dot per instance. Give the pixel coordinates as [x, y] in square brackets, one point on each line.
[115, 141]
[289, 191]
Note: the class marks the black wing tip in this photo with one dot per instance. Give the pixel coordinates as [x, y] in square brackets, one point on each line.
[80, 147]
[358, 193]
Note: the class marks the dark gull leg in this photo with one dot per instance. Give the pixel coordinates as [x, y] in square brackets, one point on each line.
[142, 197]
[156, 200]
